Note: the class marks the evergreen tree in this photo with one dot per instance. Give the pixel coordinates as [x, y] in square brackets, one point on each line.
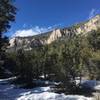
[7, 15]
[25, 68]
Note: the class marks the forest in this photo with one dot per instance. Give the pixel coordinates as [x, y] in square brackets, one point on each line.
[62, 61]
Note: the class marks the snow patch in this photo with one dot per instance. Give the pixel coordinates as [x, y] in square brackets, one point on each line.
[10, 92]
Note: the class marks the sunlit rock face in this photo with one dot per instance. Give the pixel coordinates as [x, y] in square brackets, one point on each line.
[92, 24]
[84, 28]
[27, 43]
[11, 41]
[55, 34]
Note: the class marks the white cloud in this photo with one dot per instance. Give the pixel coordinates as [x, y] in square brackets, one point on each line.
[24, 33]
[31, 32]
[92, 13]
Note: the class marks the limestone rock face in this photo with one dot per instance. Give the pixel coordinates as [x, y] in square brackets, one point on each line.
[11, 41]
[54, 36]
[27, 43]
[92, 24]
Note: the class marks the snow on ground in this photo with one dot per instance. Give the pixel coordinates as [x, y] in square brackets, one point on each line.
[93, 84]
[10, 92]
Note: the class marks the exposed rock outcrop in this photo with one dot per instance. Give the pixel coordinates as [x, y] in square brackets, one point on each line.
[28, 43]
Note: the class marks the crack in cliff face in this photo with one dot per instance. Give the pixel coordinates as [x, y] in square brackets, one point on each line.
[81, 28]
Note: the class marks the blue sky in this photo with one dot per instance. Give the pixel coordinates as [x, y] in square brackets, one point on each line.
[36, 16]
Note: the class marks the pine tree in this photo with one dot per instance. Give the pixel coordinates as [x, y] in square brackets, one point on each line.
[7, 15]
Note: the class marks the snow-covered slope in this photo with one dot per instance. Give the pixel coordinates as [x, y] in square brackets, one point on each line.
[10, 92]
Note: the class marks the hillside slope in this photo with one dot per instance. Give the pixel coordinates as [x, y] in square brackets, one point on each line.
[27, 43]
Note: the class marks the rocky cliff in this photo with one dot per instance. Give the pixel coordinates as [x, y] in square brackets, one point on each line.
[28, 43]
